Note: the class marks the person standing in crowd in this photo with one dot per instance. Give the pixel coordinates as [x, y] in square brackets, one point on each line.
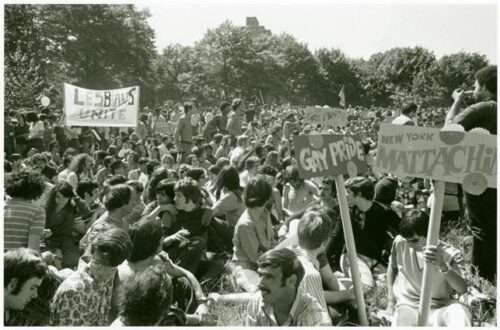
[184, 133]
[72, 135]
[406, 117]
[35, 136]
[279, 302]
[23, 273]
[23, 222]
[84, 298]
[21, 132]
[482, 209]
[235, 121]
[405, 273]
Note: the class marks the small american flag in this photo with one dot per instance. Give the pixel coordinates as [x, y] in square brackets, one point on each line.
[342, 97]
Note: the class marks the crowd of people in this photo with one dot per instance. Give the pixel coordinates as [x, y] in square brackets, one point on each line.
[127, 224]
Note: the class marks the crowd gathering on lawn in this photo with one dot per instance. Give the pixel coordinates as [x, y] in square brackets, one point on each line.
[125, 226]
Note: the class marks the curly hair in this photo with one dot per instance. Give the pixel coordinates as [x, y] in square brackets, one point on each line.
[146, 297]
[78, 163]
[25, 184]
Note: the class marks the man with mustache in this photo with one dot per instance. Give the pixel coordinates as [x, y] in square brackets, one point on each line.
[278, 302]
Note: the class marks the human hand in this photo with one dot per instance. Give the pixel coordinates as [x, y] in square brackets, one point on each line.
[434, 255]
[283, 231]
[202, 309]
[214, 297]
[458, 95]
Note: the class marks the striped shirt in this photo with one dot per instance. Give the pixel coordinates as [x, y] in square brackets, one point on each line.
[311, 282]
[21, 219]
[305, 311]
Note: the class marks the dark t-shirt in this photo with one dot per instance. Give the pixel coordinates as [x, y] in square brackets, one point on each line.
[482, 114]
[190, 221]
[369, 229]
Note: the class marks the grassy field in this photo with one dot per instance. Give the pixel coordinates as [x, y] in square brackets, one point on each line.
[483, 312]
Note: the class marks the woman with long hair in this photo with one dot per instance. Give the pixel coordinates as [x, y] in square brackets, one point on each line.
[272, 159]
[62, 208]
[79, 168]
[229, 206]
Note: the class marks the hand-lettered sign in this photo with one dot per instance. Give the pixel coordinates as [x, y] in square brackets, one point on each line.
[109, 108]
[449, 155]
[325, 116]
[329, 154]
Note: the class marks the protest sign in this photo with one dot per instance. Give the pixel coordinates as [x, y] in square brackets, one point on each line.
[107, 108]
[450, 156]
[329, 154]
[165, 127]
[325, 116]
[325, 155]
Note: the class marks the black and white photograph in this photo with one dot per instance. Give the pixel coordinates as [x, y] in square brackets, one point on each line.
[249, 163]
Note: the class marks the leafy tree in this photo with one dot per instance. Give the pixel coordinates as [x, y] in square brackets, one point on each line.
[337, 71]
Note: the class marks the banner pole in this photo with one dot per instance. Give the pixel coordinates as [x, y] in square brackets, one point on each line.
[351, 249]
[432, 239]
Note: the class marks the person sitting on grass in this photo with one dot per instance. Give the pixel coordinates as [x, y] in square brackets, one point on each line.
[84, 298]
[314, 232]
[23, 221]
[279, 301]
[147, 298]
[147, 238]
[186, 239]
[253, 234]
[298, 193]
[405, 273]
[24, 270]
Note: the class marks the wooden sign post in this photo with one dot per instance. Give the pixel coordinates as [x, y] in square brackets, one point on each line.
[351, 249]
[432, 239]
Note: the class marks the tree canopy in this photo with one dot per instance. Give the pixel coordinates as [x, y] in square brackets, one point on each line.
[112, 46]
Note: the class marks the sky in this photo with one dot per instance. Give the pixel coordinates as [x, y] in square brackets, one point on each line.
[359, 29]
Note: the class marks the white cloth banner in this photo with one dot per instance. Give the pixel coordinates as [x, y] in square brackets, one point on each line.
[108, 108]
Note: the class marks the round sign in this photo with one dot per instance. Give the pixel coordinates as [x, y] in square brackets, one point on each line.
[45, 101]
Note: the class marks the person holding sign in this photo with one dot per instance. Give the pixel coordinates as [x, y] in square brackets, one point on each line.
[483, 208]
[405, 273]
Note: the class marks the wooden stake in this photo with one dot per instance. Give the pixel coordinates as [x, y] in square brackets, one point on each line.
[351, 249]
[432, 239]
